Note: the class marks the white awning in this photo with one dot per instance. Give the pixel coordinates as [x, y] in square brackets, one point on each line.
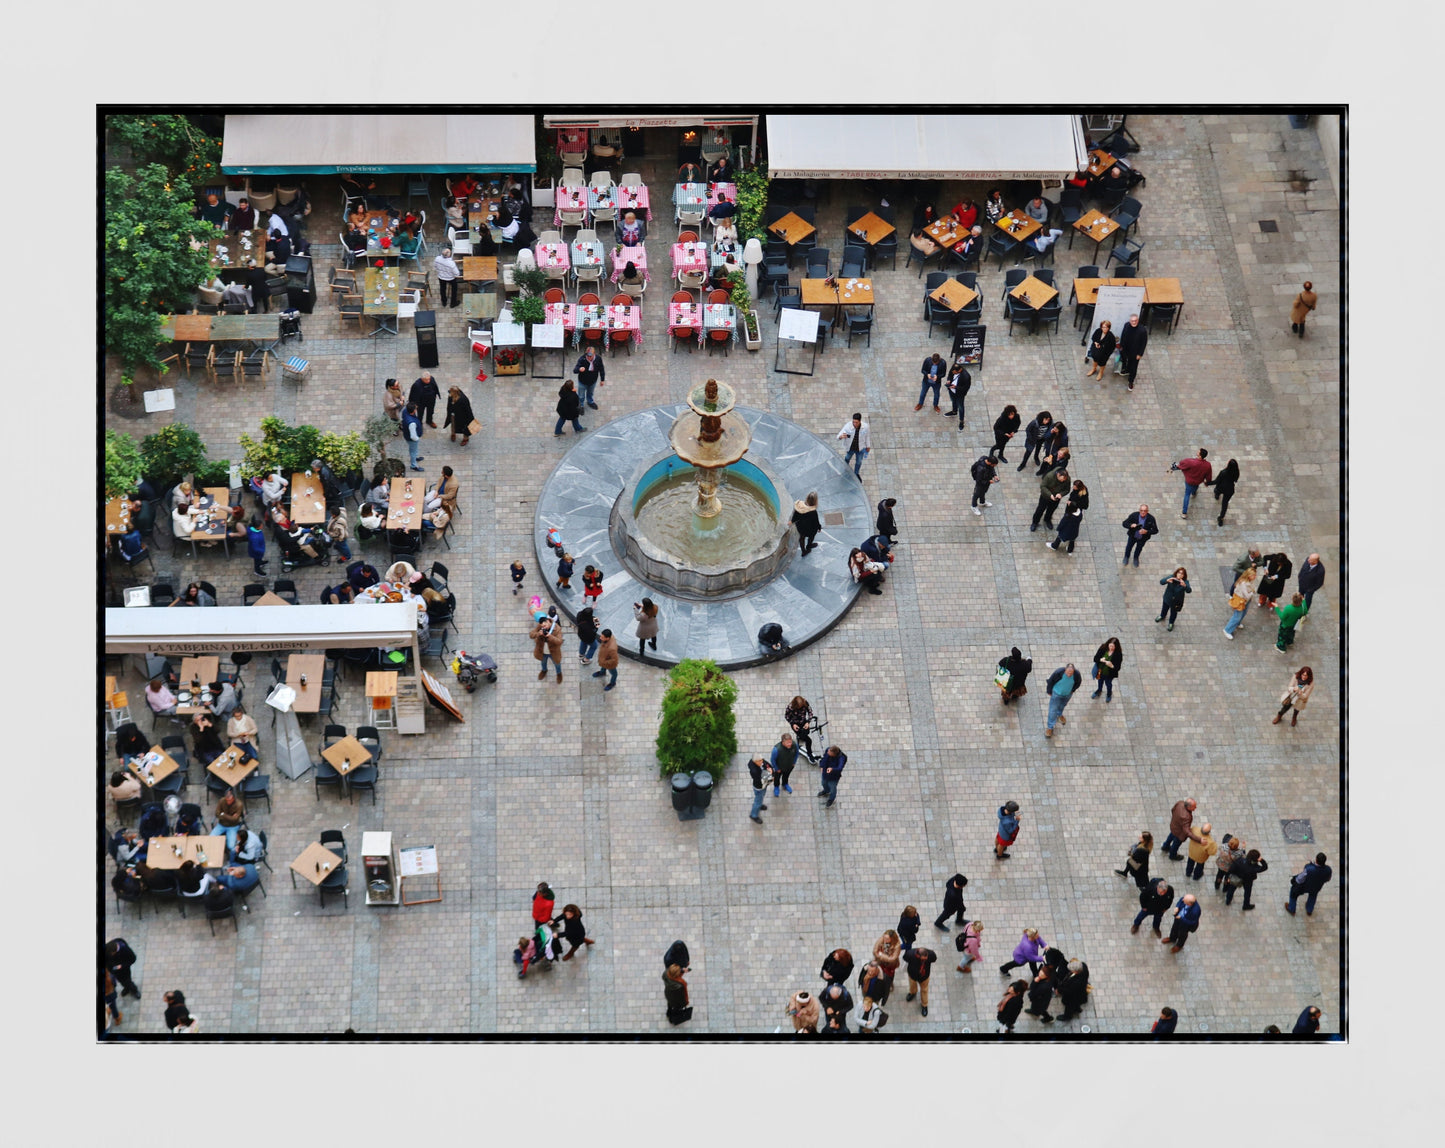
[660, 120]
[221, 629]
[281, 145]
[925, 147]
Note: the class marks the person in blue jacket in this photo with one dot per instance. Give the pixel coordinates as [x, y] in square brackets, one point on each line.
[834, 759]
[256, 547]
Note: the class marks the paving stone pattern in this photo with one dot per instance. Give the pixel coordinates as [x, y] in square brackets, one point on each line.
[558, 780]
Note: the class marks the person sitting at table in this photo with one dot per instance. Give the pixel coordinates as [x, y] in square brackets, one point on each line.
[205, 729]
[278, 250]
[1114, 182]
[159, 698]
[235, 879]
[965, 213]
[189, 823]
[719, 280]
[248, 848]
[129, 741]
[971, 249]
[229, 815]
[464, 186]
[993, 206]
[724, 208]
[218, 899]
[482, 241]
[237, 294]
[436, 519]
[354, 187]
[304, 538]
[409, 243]
[338, 595]
[399, 572]
[1045, 239]
[360, 213]
[273, 486]
[1037, 209]
[372, 517]
[255, 278]
[280, 519]
[131, 544]
[456, 212]
[182, 496]
[361, 575]
[631, 233]
[244, 217]
[355, 240]
[630, 275]
[722, 171]
[242, 731]
[128, 883]
[223, 699]
[194, 596]
[214, 211]
[124, 786]
[447, 489]
[277, 225]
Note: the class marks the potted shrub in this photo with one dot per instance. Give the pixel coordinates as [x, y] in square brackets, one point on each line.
[697, 728]
[747, 318]
[124, 464]
[507, 360]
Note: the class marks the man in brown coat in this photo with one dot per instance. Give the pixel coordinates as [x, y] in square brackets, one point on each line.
[1181, 818]
[547, 636]
[607, 659]
[1304, 303]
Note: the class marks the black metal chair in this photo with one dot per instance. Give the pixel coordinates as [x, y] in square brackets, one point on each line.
[214, 915]
[1001, 245]
[250, 593]
[1163, 313]
[215, 785]
[162, 886]
[860, 325]
[439, 575]
[855, 262]
[332, 839]
[162, 594]
[1126, 254]
[363, 777]
[785, 295]
[257, 785]
[286, 588]
[1045, 275]
[1126, 215]
[1071, 210]
[338, 878]
[817, 264]
[921, 258]
[1018, 312]
[1050, 312]
[265, 849]
[1012, 279]
[1088, 271]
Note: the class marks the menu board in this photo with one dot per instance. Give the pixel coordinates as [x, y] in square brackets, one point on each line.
[418, 860]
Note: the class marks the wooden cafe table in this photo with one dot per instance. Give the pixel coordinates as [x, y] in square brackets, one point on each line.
[817, 293]
[1099, 162]
[1017, 225]
[479, 268]
[792, 227]
[345, 756]
[270, 598]
[117, 517]
[187, 328]
[384, 284]
[1165, 291]
[1037, 291]
[207, 668]
[236, 254]
[953, 294]
[207, 852]
[945, 232]
[229, 769]
[163, 765]
[407, 494]
[311, 862]
[871, 228]
[1095, 225]
[308, 697]
[308, 499]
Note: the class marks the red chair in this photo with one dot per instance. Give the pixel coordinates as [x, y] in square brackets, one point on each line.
[718, 296]
[620, 337]
[723, 337]
[687, 237]
[682, 296]
[592, 335]
[554, 295]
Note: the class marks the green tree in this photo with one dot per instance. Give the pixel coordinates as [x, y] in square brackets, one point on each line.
[282, 447]
[172, 453]
[151, 268]
[752, 203]
[123, 464]
[173, 141]
[344, 453]
[697, 719]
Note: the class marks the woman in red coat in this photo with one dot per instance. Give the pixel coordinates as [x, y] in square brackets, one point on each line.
[542, 902]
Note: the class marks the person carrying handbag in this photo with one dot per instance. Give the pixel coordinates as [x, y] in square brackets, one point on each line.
[1136, 864]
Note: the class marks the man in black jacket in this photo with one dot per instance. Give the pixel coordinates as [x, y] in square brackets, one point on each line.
[1052, 488]
[1311, 578]
[886, 524]
[983, 473]
[119, 957]
[933, 371]
[1132, 341]
[1139, 527]
[1074, 989]
[1041, 994]
[1154, 899]
[952, 902]
[1306, 883]
[589, 370]
[1034, 435]
[920, 965]
[424, 393]
[959, 381]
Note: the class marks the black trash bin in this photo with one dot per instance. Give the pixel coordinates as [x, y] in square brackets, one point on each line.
[682, 792]
[426, 338]
[702, 789]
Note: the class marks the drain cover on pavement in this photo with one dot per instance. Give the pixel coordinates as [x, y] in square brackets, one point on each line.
[1268, 225]
[833, 518]
[1297, 830]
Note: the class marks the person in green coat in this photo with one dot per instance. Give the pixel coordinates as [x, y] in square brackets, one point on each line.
[1289, 617]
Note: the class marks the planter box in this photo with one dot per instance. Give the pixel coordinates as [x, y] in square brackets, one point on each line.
[542, 196]
[514, 369]
[751, 341]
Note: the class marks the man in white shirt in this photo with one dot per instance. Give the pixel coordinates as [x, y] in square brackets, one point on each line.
[448, 275]
[277, 226]
[856, 431]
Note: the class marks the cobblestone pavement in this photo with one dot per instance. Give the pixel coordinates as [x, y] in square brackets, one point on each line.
[558, 781]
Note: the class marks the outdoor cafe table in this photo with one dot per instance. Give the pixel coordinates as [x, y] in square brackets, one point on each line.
[732, 256]
[480, 304]
[161, 763]
[637, 256]
[117, 515]
[205, 668]
[1095, 225]
[871, 228]
[481, 211]
[1034, 293]
[308, 499]
[552, 257]
[479, 268]
[1161, 291]
[563, 315]
[684, 317]
[571, 141]
[817, 293]
[634, 198]
[188, 328]
[160, 854]
[270, 598]
[264, 329]
[625, 317]
[601, 197]
[1017, 225]
[587, 253]
[345, 756]
[689, 257]
[953, 294]
[590, 317]
[571, 199]
[715, 191]
[792, 227]
[215, 528]
[382, 292]
[316, 863]
[313, 667]
[1100, 161]
[718, 317]
[407, 494]
[228, 766]
[688, 195]
[228, 251]
[945, 232]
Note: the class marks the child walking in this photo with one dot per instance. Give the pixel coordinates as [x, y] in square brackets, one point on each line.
[519, 572]
[564, 572]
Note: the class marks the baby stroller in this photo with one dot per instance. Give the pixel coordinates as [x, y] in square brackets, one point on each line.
[293, 556]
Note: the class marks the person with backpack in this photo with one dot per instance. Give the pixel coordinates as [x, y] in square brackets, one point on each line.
[870, 1016]
[984, 473]
[969, 943]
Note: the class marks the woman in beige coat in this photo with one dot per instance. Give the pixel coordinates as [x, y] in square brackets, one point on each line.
[607, 659]
[1296, 695]
[803, 1008]
[547, 636]
[888, 952]
[1304, 303]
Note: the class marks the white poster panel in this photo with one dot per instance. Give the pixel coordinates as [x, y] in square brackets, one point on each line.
[1116, 304]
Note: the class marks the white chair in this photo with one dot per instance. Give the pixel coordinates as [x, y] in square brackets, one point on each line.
[630, 179]
[601, 180]
[691, 280]
[460, 241]
[634, 289]
[510, 286]
[588, 273]
[573, 219]
[690, 217]
[406, 305]
[477, 335]
[573, 176]
[550, 237]
[586, 235]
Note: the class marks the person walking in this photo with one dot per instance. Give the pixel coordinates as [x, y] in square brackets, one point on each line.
[920, 967]
[1240, 597]
[547, 638]
[888, 953]
[799, 716]
[1073, 988]
[569, 409]
[1052, 488]
[1154, 898]
[1242, 875]
[805, 521]
[970, 944]
[338, 531]
[256, 547]
[1061, 684]
[1277, 569]
[784, 757]
[1072, 517]
[459, 415]
[803, 1008]
[1224, 483]
[1035, 435]
[590, 370]
[1289, 617]
[855, 430]
[1041, 995]
[984, 473]
[1108, 660]
[1008, 829]
[1011, 1005]
[1186, 921]
[448, 277]
[393, 403]
[645, 612]
[1300, 310]
[587, 637]
[834, 759]
[959, 382]
[1249, 560]
[1101, 346]
[761, 773]
[1306, 883]
[591, 583]
[908, 925]
[952, 902]
[518, 573]
[1200, 849]
[1029, 951]
[674, 992]
[1296, 695]
[886, 523]
[1004, 428]
[1139, 527]
[1181, 820]
[1166, 1023]
[1195, 470]
[574, 932]
[119, 957]
[1012, 673]
[1136, 864]
[1133, 339]
[1175, 585]
[424, 393]
[1311, 579]
[934, 368]
[607, 658]
[1309, 1021]
[412, 432]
